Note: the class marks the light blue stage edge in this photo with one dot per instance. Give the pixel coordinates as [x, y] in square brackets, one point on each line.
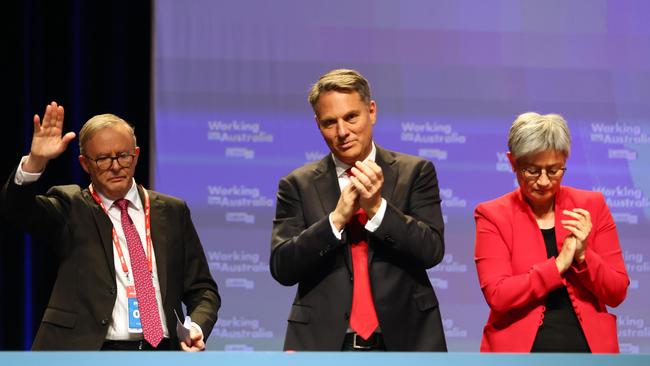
[314, 359]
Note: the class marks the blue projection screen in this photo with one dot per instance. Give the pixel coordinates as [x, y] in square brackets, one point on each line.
[449, 77]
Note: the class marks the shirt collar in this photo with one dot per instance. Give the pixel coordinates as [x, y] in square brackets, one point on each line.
[132, 196]
[341, 167]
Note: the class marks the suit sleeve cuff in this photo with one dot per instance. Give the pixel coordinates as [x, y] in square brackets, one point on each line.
[581, 268]
[549, 274]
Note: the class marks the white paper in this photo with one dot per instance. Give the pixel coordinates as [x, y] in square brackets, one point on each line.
[183, 328]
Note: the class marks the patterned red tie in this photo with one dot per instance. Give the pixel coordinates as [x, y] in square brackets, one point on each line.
[363, 317]
[149, 316]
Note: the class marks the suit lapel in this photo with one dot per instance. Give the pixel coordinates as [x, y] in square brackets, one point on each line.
[159, 222]
[389, 167]
[560, 232]
[528, 231]
[327, 186]
[104, 229]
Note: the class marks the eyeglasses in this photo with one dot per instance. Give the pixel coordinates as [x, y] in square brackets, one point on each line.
[123, 159]
[532, 173]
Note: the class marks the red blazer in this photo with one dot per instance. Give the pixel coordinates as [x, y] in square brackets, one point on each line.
[515, 275]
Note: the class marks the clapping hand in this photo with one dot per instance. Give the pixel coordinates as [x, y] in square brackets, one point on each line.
[567, 253]
[580, 226]
[368, 179]
[346, 207]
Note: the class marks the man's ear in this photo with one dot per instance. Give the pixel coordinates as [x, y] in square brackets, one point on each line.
[84, 163]
[372, 110]
[137, 155]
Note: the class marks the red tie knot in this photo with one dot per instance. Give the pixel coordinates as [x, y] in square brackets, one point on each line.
[122, 203]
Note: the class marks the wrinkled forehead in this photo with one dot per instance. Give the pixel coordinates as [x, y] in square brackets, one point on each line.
[110, 140]
[333, 103]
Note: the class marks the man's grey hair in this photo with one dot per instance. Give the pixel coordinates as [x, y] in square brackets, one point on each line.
[340, 80]
[532, 133]
[100, 122]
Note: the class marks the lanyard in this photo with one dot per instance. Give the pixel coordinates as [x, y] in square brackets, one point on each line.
[116, 240]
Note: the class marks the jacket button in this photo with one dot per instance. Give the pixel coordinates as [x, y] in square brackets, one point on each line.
[347, 316]
[113, 291]
[351, 279]
[104, 321]
[540, 323]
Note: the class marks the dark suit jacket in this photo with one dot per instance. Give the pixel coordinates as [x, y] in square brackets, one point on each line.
[82, 300]
[409, 241]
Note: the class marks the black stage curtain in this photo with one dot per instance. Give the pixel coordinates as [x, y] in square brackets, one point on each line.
[92, 57]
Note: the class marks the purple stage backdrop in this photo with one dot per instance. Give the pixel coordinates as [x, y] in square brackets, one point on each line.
[449, 77]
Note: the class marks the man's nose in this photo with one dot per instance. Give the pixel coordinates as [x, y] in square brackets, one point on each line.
[115, 165]
[341, 129]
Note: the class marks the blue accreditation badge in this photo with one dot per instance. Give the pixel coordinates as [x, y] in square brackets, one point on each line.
[135, 326]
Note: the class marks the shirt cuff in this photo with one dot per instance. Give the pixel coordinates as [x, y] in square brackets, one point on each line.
[373, 224]
[23, 177]
[337, 233]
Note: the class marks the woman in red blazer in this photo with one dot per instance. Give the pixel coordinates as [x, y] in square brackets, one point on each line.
[547, 256]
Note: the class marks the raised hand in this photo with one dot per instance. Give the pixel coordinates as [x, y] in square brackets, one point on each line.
[368, 179]
[580, 227]
[346, 207]
[565, 257]
[48, 141]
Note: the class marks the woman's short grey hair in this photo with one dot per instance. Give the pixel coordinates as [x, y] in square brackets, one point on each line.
[532, 133]
[100, 122]
[341, 80]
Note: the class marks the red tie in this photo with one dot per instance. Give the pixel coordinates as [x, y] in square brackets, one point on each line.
[363, 319]
[149, 316]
